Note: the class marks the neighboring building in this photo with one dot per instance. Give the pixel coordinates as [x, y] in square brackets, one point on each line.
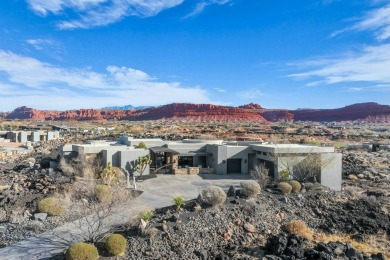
[64, 128]
[215, 156]
[29, 136]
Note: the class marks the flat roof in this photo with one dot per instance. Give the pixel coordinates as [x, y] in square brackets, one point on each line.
[292, 148]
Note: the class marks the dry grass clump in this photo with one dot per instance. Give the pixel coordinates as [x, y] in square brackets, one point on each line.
[372, 244]
[116, 245]
[52, 206]
[214, 195]
[103, 193]
[296, 186]
[299, 227]
[82, 251]
[250, 188]
[285, 187]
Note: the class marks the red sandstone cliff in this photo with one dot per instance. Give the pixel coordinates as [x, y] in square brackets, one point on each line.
[370, 112]
[199, 112]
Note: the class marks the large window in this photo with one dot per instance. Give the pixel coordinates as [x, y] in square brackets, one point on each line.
[185, 161]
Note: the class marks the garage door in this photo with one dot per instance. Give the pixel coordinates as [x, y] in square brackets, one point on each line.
[234, 166]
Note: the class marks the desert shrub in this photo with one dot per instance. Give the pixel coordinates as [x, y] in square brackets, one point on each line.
[52, 206]
[250, 188]
[116, 244]
[214, 195]
[142, 145]
[284, 175]
[309, 185]
[82, 251]
[353, 191]
[285, 187]
[260, 173]
[353, 177]
[103, 193]
[298, 227]
[178, 200]
[296, 186]
[67, 169]
[146, 215]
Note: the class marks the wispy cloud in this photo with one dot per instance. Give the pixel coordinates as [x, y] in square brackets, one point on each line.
[367, 64]
[93, 13]
[51, 47]
[371, 64]
[377, 20]
[249, 94]
[375, 88]
[220, 90]
[38, 84]
[203, 4]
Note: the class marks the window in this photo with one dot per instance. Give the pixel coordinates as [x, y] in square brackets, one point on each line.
[186, 161]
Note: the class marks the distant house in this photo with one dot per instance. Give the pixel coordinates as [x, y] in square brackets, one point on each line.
[64, 128]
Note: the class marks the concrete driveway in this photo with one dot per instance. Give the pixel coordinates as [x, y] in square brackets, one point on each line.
[158, 193]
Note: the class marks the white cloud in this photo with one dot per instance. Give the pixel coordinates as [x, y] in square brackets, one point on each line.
[202, 5]
[371, 64]
[44, 85]
[249, 94]
[93, 13]
[377, 20]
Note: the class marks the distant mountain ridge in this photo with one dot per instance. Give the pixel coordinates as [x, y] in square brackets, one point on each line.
[367, 112]
[127, 107]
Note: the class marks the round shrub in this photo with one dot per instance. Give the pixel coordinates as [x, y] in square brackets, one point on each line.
[103, 193]
[116, 244]
[52, 206]
[296, 186]
[250, 188]
[353, 177]
[82, 251]
[214, 195]
[285, 187]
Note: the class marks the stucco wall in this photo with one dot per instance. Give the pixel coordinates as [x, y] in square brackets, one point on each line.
[331, 170]
[218, 158]
[128, 159]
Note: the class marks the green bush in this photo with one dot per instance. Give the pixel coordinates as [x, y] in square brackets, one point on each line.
[116, 244]
[103, 193]
[142, 145]
[284, 175]
[285, 187]
[178, 200]
[214, 195]
[52, 206]
[146, 215]
[296, 186]
[82, 251]
[250, 188]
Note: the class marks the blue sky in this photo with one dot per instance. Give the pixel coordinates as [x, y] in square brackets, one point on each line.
[70, 54]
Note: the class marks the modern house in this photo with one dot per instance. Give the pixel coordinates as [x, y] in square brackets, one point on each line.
[190, 156]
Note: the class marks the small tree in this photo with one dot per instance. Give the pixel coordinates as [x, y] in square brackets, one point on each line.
[142, 163]
[142, 145]
[109, 174]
